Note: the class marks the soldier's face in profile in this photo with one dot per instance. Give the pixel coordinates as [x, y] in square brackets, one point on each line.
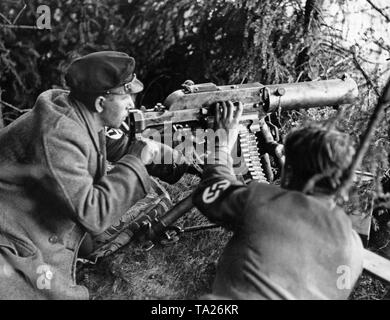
[116, 109]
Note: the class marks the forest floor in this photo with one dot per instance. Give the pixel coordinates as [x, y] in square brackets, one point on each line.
[184, 270]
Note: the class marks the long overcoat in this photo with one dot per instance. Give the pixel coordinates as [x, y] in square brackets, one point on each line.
[39, 240]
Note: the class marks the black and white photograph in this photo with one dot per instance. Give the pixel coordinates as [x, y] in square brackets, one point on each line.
[207, 151]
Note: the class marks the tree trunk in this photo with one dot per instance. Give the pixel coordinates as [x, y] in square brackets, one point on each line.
[312, 8]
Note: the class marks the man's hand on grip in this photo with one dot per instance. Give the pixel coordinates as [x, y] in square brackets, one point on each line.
[227, 118]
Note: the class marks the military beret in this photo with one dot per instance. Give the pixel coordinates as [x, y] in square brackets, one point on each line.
[99, 72]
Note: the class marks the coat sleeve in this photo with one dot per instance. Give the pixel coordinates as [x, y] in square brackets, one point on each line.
[173, 165]
[117, 144]
[94, 204]
[220, 196]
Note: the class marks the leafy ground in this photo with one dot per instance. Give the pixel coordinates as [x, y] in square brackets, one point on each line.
[184, 270]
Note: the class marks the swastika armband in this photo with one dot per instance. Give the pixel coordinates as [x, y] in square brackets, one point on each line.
[114, 134]
[210, 194]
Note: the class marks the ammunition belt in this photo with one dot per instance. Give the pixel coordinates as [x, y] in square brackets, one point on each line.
[251, 155]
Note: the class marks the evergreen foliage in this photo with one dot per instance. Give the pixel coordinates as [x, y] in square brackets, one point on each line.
[220, 41]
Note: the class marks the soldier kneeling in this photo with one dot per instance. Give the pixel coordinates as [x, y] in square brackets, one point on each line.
[290, 241]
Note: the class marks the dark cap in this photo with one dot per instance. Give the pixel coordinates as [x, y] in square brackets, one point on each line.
[99, 72]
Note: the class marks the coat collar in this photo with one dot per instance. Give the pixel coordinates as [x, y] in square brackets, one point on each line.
[91, 120]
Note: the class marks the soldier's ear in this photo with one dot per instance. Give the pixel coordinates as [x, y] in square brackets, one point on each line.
[99, 104]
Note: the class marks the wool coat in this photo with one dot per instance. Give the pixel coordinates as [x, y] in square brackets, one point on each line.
[40, 237]
[285, 244]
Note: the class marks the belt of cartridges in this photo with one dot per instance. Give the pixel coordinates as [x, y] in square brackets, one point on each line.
[251, 155]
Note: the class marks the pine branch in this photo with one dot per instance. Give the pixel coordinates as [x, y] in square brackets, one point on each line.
[5, 18]
[13, 107]
[11, 26]
[364, 73]
[379, 10]
[309, 7]
[362, 85]
[374, 122]
[19, 14]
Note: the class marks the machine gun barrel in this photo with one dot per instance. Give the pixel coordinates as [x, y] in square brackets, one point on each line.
[267, 98]
[312, 94]
[191, 104]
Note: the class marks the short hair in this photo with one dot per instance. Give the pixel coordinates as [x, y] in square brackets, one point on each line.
[317, 154]
[88, 99]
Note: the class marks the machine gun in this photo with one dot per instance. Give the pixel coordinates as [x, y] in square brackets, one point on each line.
[190, 107]
[186, 110]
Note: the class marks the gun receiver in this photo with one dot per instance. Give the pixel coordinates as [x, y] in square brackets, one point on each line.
[191, 103]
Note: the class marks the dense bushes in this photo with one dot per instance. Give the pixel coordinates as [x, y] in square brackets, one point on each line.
[216, 40]
[222, 41]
